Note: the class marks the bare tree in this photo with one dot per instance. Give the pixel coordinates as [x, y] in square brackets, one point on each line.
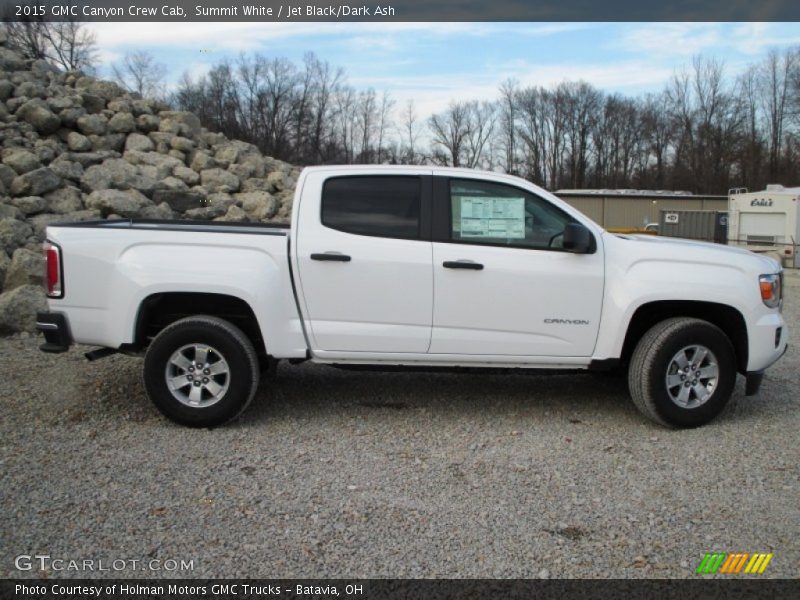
[411, 133]
[774, 79]
[367, 116]
[702, 133]
[139, 72]
[461, 133]
[69, 45]
[509, 91]
[657, 132]
[384, 122]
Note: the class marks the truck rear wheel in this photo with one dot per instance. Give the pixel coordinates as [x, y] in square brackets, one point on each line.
[682, 372]
[201, 371]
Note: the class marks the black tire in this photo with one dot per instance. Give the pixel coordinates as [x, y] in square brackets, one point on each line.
[651, 361]
[240, 380]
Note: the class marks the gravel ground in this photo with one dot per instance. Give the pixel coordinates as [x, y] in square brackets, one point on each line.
[332, 473]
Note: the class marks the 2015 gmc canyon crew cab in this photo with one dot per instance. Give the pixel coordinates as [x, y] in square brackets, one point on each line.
[417, 267]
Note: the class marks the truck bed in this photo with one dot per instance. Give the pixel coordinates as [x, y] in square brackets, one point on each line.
[110, 268]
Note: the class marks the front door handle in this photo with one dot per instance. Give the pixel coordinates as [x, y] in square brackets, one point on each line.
[462, 264]
[330, 256]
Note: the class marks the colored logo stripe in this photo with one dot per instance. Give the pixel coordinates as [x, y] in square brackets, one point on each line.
[711, 563]
[734, 563]
[758, 563]
[722, 562]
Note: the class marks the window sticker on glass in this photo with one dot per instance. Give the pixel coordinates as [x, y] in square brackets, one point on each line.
[488, 217]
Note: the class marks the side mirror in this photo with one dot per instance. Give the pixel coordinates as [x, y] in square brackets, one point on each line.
[577, 238]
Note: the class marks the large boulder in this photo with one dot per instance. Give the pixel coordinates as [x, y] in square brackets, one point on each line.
[7, 174]
[279, 180]
[96, 124]
[186, 175]
[92, 103]
[259, 206]
[182, 144]
[11, 61]
[67, 169]
[6, 89]
[257, 184]
[139, 142]
[147, 123]
[107, 90]
[179, 200]
[116, 173]
[234, 213]
[87, 159]
[35, 183]
[20, 160]
[27, 267]
[179, 123]
[164, 164]
[162, 212]
[112, 141]
[64, 200]
[78, 142]
[70, 116]
[122, 122]
[5, 262]
[123, 203]
[19, 306]
[40, 116]
[9, 211]
[218, 180]
[30, 205]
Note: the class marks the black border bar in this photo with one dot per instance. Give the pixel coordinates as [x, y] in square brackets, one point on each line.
[376, 11]
[698, 586]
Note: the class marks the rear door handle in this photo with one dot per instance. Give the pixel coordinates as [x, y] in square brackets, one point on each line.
[330, 256]
[462, 264]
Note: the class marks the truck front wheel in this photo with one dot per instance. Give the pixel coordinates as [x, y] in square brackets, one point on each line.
[682, 372]
[201, 371]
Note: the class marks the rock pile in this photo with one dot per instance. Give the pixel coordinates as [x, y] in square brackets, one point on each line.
[73, 148]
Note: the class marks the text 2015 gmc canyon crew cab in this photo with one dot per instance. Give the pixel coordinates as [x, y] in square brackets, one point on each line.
[418, 267]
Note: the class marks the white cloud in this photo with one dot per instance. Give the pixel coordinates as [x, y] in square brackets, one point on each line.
[247, 36]
[756, 38]
[432, 93]
[197, 69]
[666, 40]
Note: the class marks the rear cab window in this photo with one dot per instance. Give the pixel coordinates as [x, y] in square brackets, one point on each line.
[382, 206]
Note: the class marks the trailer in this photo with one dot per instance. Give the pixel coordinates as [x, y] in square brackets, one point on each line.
[766, 222]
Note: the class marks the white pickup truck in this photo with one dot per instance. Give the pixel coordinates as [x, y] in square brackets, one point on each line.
[415, 267]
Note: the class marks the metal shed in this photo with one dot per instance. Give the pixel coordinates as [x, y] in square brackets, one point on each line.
[636, 208]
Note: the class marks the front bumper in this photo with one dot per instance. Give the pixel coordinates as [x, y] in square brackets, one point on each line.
[767, 341]
[754, 378]
[56, 332]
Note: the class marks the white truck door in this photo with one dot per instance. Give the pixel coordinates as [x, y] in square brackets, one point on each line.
[363, 254]
[503, 285]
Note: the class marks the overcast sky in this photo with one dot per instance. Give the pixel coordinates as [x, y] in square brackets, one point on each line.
[434, 63]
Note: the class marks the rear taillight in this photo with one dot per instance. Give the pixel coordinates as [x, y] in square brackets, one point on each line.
[52, 270]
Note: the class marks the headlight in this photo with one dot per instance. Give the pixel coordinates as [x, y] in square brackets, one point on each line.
[771, 289]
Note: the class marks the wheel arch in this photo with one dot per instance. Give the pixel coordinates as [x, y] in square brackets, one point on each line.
[159, 310]
[724, 316]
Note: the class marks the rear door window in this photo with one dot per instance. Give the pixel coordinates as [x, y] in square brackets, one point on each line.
[382, 206]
